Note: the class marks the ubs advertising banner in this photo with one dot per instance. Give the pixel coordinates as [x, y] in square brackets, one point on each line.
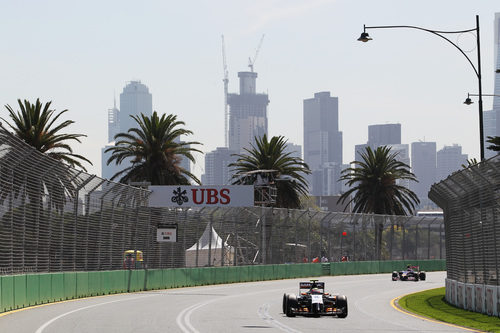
[201, 196]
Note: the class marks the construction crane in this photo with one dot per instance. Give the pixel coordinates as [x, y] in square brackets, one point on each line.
[251, 62]
[226, 82]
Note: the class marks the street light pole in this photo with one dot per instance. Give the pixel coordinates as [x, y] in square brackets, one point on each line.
[480, 102]
[469, 101]
[365, 37]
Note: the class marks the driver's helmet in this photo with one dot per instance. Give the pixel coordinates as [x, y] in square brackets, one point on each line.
[315, 291]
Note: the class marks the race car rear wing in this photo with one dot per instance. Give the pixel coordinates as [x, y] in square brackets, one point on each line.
[309, 285]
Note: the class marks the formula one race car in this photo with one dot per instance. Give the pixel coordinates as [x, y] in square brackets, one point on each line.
[412, 273]
[313, 300]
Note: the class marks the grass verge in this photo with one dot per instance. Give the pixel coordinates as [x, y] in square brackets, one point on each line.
[431, 304]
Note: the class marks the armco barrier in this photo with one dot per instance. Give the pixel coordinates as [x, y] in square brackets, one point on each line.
[18, 291]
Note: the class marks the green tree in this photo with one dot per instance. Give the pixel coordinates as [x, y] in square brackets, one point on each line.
[268, 160]
[373, 187]
[495, 143]
[36, 125]
[153, 151]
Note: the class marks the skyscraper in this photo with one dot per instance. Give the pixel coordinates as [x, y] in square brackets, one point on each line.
[134, 100]
[449, 160]
[113, 122]
[491, 119]
[423, 165]
[402, 152]
[385, 134]
[380, 135]
[217, 171]
[496, 42]
[358, 150]
[322, 139]
[294, 150]
[247, 113]
[490, 129]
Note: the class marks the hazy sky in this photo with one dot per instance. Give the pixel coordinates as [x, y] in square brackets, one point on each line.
[79, 55]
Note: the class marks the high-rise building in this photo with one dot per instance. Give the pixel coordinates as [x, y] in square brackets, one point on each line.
[113, 122]
[496, 43]
[247, 113]
[185, 162]
[423, 165]
[384, 134]
[402, 152]
[134, 100]
[358, 150]
[294, 150]
[322, 139]
[217, 171]
[449, 159]
[489, 129]
[380, 135]
[491, 119]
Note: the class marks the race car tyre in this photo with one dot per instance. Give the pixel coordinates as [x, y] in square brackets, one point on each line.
[395, 276]
[291, 303]
[342, 304]
[422, 276]
[284, 302]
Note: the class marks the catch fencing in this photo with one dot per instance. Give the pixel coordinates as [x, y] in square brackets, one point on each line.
[54, 218]
[470, 200]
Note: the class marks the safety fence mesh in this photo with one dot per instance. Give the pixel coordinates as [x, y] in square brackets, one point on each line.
[55, 218]
[470, 199]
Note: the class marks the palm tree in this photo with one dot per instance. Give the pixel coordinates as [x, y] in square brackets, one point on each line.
[153, 151]
[268, 160]
[495, 143]
[374, 188]
[470, 162]
[35, 125]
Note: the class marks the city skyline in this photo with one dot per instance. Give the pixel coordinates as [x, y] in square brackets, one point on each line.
[57, 54]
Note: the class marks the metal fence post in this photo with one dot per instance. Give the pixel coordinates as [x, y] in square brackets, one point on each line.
[403, 241]
[416, 241]
[87, 213]
[210, 237]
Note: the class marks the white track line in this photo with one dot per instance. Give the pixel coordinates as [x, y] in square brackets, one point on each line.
[183, 320]
[47, 323]
[264, 314]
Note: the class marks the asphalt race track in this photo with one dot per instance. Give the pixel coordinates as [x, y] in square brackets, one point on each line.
[240, 307]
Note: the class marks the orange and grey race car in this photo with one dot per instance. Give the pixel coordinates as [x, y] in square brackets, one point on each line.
[313, 300]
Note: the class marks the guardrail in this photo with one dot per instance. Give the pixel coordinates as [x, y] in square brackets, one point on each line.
[20, 291]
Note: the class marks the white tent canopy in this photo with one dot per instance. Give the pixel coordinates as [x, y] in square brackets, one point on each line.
[204, 242]
[197, 255]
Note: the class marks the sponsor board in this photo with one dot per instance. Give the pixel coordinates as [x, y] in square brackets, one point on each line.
[166, 233]
[202, 196]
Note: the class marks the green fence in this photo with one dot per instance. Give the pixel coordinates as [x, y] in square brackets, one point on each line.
[19, 291]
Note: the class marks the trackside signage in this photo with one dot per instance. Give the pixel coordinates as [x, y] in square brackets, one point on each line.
[201, 196]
